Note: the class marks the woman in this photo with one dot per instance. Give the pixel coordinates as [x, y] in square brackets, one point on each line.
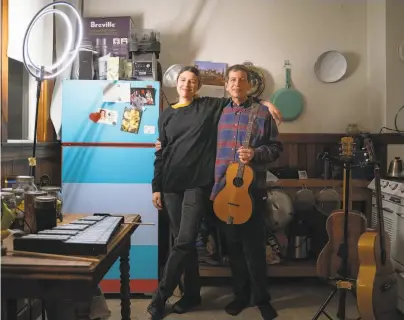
[183, 173]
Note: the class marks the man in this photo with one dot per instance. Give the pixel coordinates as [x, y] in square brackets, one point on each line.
[246, 242]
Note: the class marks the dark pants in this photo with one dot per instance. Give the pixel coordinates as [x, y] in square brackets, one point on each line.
[246, 248]
[185, 212]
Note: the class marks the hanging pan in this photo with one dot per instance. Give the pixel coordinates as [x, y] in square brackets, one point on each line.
[289, 101]
[331, 66]
[304, 200]
[328, 200]
[257, 80]
[280, 209]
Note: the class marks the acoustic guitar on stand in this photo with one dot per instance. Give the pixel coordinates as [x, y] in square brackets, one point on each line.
[376, 289]
[330, 258]
[234, 204]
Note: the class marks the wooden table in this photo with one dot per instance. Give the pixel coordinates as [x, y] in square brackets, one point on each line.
[66, 278]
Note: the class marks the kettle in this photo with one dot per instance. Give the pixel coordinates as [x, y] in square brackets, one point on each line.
[396, 168]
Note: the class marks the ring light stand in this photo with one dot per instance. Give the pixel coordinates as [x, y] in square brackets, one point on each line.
[41, 73]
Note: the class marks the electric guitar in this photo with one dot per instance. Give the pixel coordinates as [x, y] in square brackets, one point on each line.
[376, 289]
[234, 204]
[330, 260]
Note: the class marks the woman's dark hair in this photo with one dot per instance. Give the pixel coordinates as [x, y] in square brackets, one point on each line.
[193, 70]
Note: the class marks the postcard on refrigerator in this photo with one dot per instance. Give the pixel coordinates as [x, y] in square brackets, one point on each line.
[149, 129]
[107, 116]
[116, 92]
[142, 97]
[131, 119]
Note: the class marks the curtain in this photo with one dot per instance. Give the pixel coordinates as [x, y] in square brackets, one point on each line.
[20, 14]
[56, 105]
[40, 45]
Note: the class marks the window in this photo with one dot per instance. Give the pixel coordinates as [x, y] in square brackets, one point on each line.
[18, 87]
[18, 101]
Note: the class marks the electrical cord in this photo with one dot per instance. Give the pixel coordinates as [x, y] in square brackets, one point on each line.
[396, 129]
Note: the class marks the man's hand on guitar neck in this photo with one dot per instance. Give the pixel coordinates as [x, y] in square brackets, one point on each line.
[245, 155]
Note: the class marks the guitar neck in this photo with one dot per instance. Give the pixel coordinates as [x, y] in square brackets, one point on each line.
[379, 204]
[347, 178]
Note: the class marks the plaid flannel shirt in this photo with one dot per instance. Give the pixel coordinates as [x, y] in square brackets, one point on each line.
[231, 133]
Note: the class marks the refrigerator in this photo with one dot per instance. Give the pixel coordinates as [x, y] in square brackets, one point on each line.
[108, 133]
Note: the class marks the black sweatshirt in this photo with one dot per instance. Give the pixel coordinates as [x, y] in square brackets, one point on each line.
[188, 135]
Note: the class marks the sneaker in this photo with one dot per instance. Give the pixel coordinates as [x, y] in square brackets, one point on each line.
[236, 306]
[267, 311]
[186, 303]
[156, 307]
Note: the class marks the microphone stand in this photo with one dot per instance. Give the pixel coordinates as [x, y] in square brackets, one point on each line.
[32, 160]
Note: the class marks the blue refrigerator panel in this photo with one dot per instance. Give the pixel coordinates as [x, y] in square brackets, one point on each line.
[105, 167]
[117, 181]
[98, 111]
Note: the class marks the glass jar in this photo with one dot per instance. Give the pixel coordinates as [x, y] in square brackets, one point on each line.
[26, 183]
[54, 191]
[8, 209]
[19, 198]
[8, 198]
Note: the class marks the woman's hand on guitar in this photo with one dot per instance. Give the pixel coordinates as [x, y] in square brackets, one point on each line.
[245, 155]
[157, 200]
[157, 145]
[274, 111]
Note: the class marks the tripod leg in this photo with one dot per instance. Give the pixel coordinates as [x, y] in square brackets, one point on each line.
[342, 305]
[324, 305]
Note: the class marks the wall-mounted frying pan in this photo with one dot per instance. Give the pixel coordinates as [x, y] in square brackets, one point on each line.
[289, 101]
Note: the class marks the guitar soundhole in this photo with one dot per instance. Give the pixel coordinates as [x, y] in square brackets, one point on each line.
[238, 182]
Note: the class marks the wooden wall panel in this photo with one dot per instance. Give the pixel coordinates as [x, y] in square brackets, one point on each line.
[301, 150]
[14, 160]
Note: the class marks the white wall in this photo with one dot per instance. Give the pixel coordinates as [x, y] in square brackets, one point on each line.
[394, 70]
[0, 64]
[267, 32]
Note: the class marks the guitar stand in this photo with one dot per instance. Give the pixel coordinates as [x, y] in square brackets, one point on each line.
[342, 286]
[343, 283]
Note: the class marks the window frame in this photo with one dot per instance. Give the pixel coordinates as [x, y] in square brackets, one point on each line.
[45, 131]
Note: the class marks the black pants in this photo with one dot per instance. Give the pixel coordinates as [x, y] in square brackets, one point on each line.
[246, 248]
[185, 212]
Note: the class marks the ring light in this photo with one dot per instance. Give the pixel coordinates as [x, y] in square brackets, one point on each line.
[41, 73]
[68, 55]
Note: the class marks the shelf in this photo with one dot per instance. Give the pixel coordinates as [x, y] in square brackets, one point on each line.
[292, 269]
[316, 183]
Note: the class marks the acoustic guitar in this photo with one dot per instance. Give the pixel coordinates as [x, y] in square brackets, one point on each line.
[329, 260]
[376, 289]
[234, 204]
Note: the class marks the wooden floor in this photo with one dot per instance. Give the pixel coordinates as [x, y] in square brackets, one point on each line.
[293, 299]
[304, 269]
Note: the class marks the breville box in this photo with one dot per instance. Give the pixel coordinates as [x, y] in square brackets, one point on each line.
[109, 35]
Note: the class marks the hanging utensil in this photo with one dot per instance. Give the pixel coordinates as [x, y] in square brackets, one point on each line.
[304, 200]
[257, 80]
[289, 101]
[327, 200]
[280, 209]
[331, 66]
